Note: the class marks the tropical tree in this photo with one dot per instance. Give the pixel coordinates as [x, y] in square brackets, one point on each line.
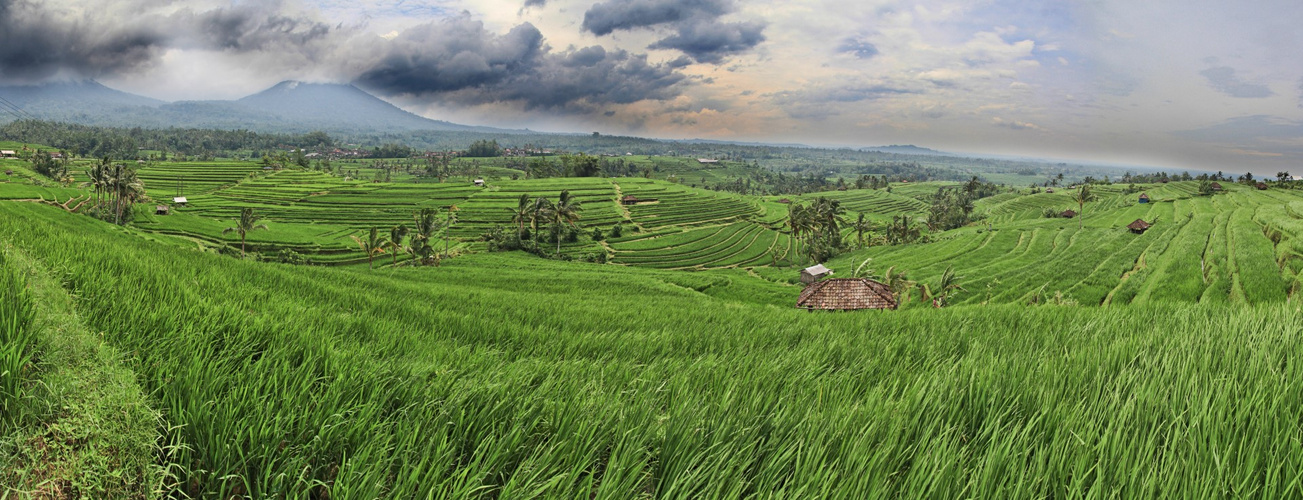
[248, 223]
[423, 232]
[373, 245]
[538, 212]
[520, 214]
[564, 214]
[1083, 197]
[861, 226]
[946, 287]
[447, 226]
[395, 241]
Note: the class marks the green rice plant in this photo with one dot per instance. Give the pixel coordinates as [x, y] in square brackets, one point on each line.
[17, 342]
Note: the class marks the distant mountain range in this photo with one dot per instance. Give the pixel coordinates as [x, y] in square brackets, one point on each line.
[908, 149]
[287, 107]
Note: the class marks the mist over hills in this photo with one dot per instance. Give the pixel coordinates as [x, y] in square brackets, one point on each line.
[288, 107]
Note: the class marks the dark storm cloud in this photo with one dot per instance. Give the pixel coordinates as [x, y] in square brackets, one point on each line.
[37, 44]
[247, 27]
[694, 25]
[607, 17]
[1224, 80]
[858, 48]
[458, 60]
[711, 42]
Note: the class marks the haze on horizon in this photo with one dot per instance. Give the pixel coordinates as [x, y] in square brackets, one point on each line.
[1182, 85]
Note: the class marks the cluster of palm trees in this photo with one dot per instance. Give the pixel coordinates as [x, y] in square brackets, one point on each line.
[818, 227]
[426, 224]
[115, 186]
[902, 287]
[542, 212]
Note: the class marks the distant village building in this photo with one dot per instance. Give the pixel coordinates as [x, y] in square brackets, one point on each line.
[846, 294]
[1144, 198]
[1139, 226]
[162, 210]
[1068, 214]
[814, 273]
[706, 161]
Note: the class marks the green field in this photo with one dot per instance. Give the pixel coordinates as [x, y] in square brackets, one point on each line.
[1080, 360]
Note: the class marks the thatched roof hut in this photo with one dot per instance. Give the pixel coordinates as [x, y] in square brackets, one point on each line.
[814, 273]
[1144, 198]
[629, 199]
[1262, 186]
[162, 210]
[1217, 186]
[846, 294]
[1139, 226]
[1068, 214]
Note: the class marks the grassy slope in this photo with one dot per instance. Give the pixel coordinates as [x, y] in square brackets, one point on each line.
[515, 377]
[86, 427]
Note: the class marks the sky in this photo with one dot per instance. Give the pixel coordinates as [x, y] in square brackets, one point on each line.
[1194, 84]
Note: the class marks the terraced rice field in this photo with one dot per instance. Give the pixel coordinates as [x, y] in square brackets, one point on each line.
[667, 204]
[1200, 249]
[739, 244]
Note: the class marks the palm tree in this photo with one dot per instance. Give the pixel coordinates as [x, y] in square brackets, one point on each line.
[899, 283]
[564, 214]
[538, 212]
[447, 226]
[424, 230]
[395, 241]
[1083, 197]
[126, 189]
[248, 222]
[372, 245]
[861, 226]
[520, 214]
[948, 285]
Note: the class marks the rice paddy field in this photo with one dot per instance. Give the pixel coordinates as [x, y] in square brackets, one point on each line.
[1165, 365]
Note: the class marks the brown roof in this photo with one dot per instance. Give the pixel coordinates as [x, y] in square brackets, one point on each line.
[628, 198]
[1217, 185]
[842, 294]
[1139, 224]
[1144, 196]
[1262, 185]
[1068, 214]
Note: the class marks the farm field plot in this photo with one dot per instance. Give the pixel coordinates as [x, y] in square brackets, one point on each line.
[739, 244]
[502, 375]
[667, 204]
[878, 204]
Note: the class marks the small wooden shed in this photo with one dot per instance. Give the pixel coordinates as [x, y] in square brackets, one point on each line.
[162, 210]
[479, 182]
[1262, 186]
[1139, 226]
[1144, 198]
[1049, 190]
[1217, 186]
[846, 294]
[629, 199]
[1068, 214]
[814, 273]
[180, 201]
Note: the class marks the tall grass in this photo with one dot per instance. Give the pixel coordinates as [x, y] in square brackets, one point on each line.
[498, 376]
[17, 341]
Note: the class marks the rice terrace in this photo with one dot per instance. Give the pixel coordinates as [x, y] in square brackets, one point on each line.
[320, 289]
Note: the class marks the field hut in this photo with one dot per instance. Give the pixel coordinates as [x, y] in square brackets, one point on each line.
[8, 154]
[629, 200]
[1262, 186]
[814, 273]
[846, 294]
[162, 210]
[479, 182]
[9, 172]
[1144, 198]
[785, 201]
[1068, 214]
[180, 201]
[1049, 190]
[1217, 186]
[1139, 226]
